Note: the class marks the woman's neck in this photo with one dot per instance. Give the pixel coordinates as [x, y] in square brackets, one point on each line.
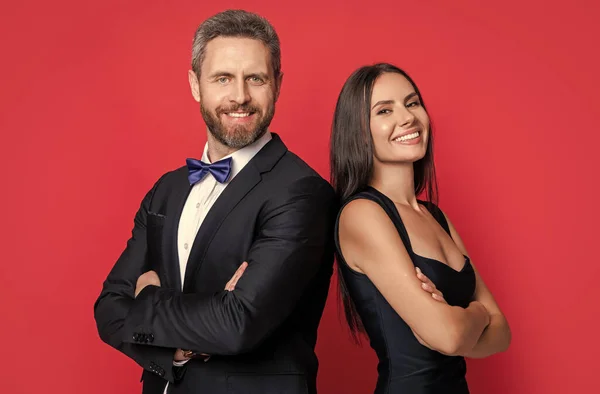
[396, 181]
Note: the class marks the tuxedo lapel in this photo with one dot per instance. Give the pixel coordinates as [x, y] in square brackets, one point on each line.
[176, 201]
[237, 189]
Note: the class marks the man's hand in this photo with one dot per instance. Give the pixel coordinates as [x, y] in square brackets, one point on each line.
[185, 355]
[180, 356]
[146, 279]
[230, 286]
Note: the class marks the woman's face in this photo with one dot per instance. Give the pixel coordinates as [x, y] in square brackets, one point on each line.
[399, 123]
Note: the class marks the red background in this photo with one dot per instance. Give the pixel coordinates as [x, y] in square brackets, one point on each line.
[95, 105]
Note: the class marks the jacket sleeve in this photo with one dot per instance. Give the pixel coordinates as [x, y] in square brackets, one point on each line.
[292, 243]
[117, 297]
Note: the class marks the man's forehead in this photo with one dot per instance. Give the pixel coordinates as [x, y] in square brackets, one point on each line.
[236, 49]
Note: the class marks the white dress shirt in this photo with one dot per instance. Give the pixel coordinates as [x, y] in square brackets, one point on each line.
[202, 197]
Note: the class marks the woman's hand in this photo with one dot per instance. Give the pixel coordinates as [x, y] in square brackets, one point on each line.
[428, 286]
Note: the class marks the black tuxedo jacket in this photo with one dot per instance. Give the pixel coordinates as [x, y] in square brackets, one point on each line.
[277, 214]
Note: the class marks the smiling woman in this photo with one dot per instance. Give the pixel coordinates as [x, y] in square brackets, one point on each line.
[405, 277]
[402, 120]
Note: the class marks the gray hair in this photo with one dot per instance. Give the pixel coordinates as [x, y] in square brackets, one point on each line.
[236, 23]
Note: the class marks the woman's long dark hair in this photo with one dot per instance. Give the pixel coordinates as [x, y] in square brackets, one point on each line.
[351, 156]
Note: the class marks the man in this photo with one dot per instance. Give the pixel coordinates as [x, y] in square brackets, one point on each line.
[223, 283]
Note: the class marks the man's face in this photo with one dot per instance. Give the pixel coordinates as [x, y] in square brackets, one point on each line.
[236, 90]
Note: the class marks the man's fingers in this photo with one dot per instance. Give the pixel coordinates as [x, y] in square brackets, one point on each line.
[242, 268]
[230, 286]
[146, 279]
[238, 274]
[150, 276]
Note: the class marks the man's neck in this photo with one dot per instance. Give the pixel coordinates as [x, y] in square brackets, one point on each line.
[216, 151]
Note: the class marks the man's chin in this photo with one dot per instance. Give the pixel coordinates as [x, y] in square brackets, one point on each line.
[238, 138]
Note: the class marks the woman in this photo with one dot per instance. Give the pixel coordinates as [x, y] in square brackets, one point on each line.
[405, 276]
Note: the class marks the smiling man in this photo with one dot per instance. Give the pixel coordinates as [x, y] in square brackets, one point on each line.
[223, 283]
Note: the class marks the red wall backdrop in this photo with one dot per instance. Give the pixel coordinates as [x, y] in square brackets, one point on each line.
[95, 106]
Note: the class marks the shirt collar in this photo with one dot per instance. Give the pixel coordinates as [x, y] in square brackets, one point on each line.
[242, 156]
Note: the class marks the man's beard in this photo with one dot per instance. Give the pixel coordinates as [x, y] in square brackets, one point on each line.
[240, 135]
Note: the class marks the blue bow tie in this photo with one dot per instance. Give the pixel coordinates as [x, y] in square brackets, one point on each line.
[198, 169]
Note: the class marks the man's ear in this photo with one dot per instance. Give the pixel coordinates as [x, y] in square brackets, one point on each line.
[194, 85]
[278, 86]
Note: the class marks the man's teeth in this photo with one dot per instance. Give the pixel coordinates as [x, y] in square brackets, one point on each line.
[239, 114]
[408, 136]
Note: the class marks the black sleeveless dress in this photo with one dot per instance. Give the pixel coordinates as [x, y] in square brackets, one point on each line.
[406, 366]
